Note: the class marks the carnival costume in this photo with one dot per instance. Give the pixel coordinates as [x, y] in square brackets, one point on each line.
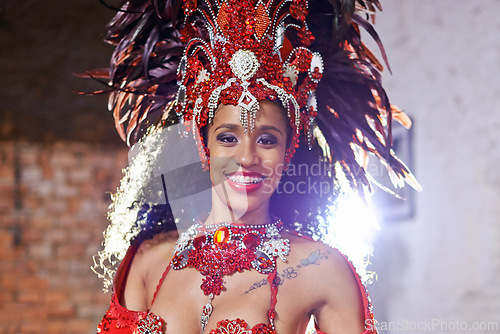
[176, 61]
[237, 248]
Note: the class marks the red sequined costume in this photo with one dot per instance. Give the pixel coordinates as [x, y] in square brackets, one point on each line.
[120, 320]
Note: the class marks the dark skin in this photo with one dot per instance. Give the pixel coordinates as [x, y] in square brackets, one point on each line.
[315, 280]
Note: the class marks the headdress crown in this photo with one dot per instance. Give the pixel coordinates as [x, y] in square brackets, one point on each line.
[180, 59]
[246, 51]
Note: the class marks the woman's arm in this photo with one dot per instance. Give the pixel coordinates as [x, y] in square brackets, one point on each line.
[345, 306]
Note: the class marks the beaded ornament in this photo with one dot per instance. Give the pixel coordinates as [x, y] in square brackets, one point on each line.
[247, 59]
[229, 249]
[151, 324]
[225, 249]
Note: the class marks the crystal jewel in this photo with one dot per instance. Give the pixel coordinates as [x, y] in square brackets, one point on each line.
[251, 240]
[221, 235]
[244, 64]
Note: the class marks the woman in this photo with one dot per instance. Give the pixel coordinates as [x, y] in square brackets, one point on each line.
[259, 102]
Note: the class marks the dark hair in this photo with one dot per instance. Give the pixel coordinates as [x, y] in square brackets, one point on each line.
[299, 199]
[307, 191]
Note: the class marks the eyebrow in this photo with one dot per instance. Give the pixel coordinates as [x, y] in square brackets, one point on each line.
[269, 127]
[229, 126]
[234, 127]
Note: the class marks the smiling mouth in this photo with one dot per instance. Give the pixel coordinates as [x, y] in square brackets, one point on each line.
[245, 180]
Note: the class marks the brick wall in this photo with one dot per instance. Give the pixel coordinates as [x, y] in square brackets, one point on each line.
[53, 201]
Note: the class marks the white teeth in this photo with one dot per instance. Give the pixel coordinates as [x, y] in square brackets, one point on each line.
[245, 179]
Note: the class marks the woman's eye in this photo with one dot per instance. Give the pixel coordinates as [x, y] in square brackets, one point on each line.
[268, 140]
[226, 138]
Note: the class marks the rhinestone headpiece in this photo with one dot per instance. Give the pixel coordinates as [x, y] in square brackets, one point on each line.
[244, 52]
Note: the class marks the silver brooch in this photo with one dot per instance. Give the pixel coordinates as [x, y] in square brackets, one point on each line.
[244, 64]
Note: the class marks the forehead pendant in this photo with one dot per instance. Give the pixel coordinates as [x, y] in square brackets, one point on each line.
[244, 64]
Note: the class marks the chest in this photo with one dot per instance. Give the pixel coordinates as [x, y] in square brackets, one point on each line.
[246, 295]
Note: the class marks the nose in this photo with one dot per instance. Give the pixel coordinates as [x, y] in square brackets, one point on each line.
[246, 154]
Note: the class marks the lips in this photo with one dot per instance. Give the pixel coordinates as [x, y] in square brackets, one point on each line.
[245, 181]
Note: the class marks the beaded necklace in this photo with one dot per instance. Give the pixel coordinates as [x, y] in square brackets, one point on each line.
[224, 249]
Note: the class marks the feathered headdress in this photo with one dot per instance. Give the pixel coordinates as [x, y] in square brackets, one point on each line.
[180, 59]
[176, 61]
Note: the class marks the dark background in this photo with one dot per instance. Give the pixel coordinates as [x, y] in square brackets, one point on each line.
[60, 158]
[43, 43]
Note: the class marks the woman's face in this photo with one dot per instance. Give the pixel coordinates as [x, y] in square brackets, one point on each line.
[246, 168]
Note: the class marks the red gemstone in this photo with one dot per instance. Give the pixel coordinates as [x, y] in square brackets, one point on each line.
[199, 242]
[221, 235]
[251, 240]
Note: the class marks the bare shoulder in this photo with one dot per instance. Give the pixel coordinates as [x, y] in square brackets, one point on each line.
[332, 284]
[318, 256]
[146, 269]
[157, 249]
